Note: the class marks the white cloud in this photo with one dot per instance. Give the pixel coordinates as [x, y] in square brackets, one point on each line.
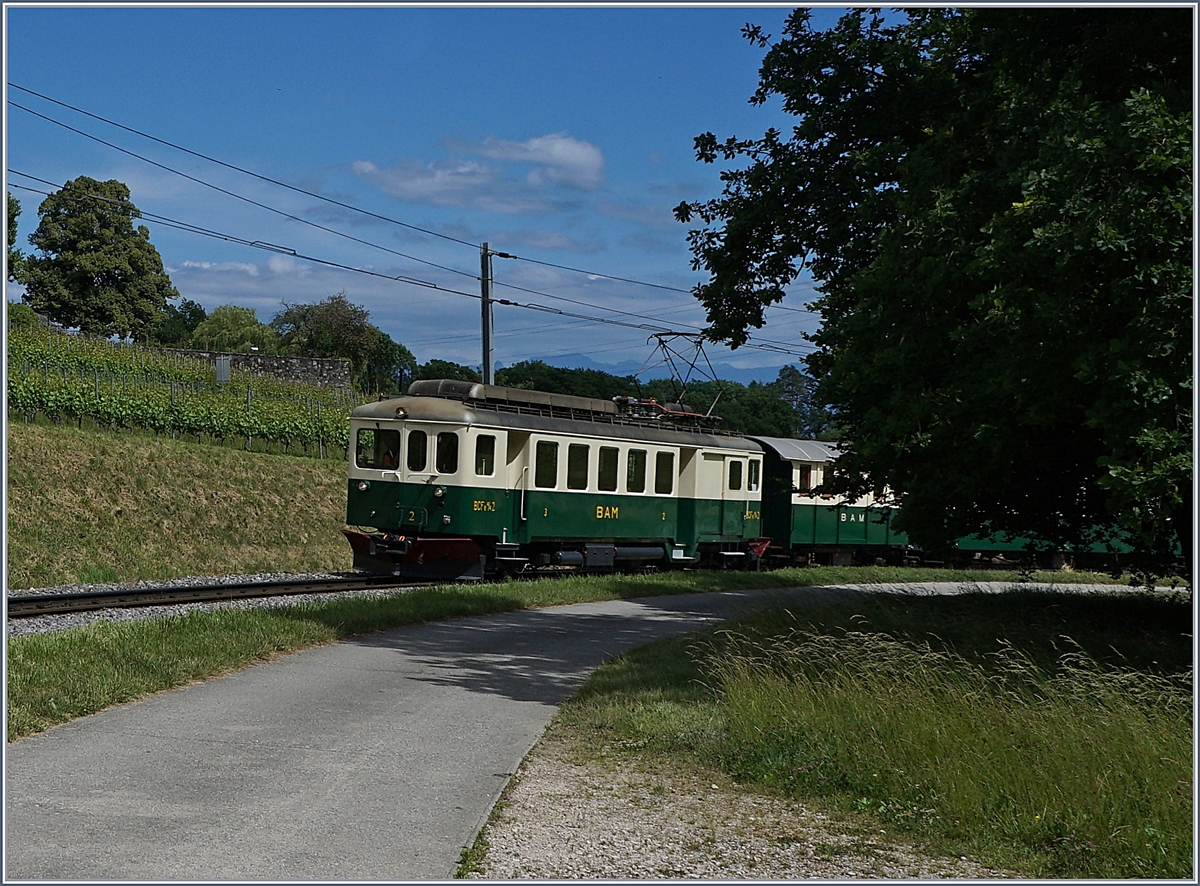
[226, 266]
[560, 165]
[285, 264]
[558, 159]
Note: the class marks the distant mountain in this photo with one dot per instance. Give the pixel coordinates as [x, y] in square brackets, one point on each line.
[724, 371]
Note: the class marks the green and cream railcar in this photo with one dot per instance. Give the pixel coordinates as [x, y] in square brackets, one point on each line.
[809, 525]
[463, 480]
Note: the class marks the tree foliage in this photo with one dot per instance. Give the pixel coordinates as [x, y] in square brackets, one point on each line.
[94, 270]
[16, 259]
[336, 327]
[798, 390]
[445, 369]
[178, 324]
[997, 207]
[234, 330]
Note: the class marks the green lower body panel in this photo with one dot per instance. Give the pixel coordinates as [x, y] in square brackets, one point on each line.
[548, 516]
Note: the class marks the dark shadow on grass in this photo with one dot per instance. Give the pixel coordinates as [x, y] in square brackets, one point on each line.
[1142, 631]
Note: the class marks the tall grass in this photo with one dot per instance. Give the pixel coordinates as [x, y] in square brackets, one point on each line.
[1082, 769]
[1045, 733]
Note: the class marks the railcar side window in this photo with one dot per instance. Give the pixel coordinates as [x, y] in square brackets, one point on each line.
[803, 478]
[545, 472]
[577, 466]
[635, 478]
[447, 452]
[485, 455]
[606, 479]
[418, 450]
[664, 473]
[735, 475]
[752, 479]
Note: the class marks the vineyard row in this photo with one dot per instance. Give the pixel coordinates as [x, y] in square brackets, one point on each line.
[183, 410]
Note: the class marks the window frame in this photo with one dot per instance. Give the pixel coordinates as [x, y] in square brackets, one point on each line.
[575, 472]
[423, 451]
[450, 452]
[732, 486]
[636, 462]
[479, 438]
[551, 446]
[600, 468]
[669, 455]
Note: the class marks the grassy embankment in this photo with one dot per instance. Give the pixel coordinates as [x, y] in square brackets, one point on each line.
[90, 506]
[913, 714]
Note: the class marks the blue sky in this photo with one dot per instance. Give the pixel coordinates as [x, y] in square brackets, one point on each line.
[561, 135]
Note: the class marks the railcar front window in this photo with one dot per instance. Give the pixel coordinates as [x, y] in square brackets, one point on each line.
[447, 452]
[418, 450]
[635, 479]
[545, 473]
[606, 481]
[735, 475]
[577, 466]
[664, 473]
[377, 449]
[485, 455]
[364, 450]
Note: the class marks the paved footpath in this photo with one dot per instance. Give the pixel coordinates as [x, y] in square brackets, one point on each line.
[376, 758]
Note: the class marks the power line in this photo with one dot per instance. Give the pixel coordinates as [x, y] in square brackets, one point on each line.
[236, 196]
[313, 194]
[592, 273]
[284, 250]
[345, 206]
[255, 244]
[264, 178]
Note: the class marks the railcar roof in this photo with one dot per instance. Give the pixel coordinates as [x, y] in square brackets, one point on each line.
[800, 450]
[530, 418]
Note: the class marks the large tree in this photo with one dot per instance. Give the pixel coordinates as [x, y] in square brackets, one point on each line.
[336, 327]
[996, 205]
[94, 270]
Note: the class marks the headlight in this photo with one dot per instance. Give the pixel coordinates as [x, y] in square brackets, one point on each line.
[363, 485]
[401, 412]
[438, 492]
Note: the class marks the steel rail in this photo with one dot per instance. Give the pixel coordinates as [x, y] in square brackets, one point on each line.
[28, 605]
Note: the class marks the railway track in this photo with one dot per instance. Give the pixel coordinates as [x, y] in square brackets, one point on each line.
[29, 605]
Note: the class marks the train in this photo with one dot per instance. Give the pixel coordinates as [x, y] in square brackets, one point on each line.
[459, 480]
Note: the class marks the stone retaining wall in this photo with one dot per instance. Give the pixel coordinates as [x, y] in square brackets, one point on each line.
[327, 372]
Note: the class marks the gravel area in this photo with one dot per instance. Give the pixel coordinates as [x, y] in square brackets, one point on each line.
[40, 624]
[561, 819]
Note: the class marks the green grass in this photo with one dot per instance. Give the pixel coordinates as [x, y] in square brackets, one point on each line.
[87, 506]
[55, 677]
[1044, 733]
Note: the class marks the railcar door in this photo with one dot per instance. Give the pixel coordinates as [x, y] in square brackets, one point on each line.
[734, 497]
[518, 485]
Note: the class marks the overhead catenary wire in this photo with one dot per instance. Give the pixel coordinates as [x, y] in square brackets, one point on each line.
[271, 247]
[317, 196]
[248, 172]
[334, 231]
[240, 197]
